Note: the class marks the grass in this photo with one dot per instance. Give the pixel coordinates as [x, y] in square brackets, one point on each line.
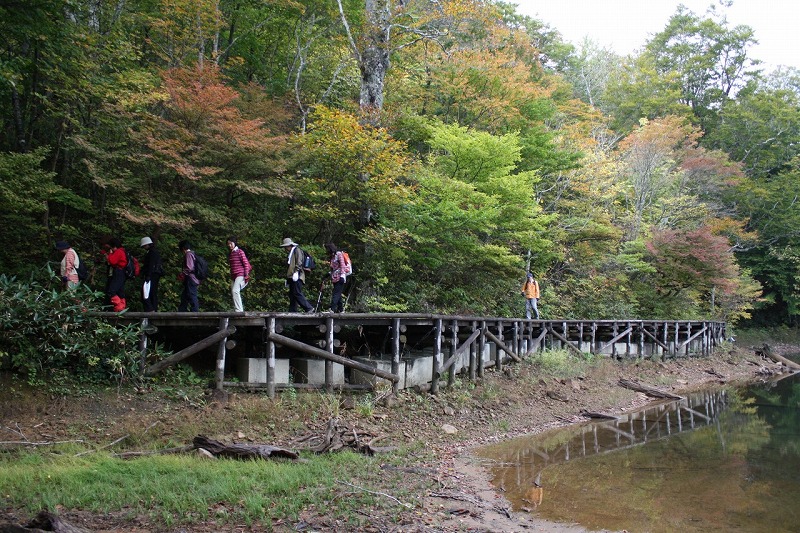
[759, 336]
[182, 489]
[561, 363]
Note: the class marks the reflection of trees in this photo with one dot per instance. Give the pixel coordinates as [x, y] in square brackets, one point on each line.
[779, 404]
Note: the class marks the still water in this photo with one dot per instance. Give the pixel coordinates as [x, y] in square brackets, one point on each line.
[726, 460]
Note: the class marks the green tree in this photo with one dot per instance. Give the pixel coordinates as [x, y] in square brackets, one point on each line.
[472, 223]
[709, 58]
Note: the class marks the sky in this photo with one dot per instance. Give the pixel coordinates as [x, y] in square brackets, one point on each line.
[625, 25]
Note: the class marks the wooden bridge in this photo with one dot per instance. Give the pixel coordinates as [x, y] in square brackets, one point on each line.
[272, 351]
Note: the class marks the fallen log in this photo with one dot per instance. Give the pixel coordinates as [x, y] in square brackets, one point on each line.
[598, 416]
[242, 451]
[42, 522]
[766, 351]
[646, 389]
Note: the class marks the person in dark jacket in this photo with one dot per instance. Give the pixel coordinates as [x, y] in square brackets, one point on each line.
[152, 269]
[295, 276]
[189, 298]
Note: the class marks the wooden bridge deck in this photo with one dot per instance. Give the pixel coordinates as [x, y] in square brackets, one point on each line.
[358, 350]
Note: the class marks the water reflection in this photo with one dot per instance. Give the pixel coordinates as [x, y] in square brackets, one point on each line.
[724, 460]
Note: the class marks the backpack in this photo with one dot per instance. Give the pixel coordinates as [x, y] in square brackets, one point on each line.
[347, 265]
[309, 263]
[200, 267]
[82, 270]
[132, 269]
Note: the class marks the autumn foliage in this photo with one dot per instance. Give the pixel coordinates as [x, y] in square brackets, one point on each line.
[449, 146]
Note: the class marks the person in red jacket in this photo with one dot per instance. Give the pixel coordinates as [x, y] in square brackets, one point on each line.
[117, 259]
[240, 272]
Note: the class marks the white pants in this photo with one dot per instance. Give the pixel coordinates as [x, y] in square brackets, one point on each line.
[236, 292]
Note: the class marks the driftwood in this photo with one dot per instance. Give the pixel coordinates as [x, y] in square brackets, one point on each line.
[650, 391]
[242, 451]
[599, 416]
[219, 449]
[39, 443]
[338, 437]
[478, 502]
[164, 451]
[44, 522]
[766, 351]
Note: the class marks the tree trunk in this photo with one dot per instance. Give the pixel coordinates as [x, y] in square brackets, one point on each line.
[242, 451]
[374, 60]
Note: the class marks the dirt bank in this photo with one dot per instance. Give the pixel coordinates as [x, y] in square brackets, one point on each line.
[520, 400]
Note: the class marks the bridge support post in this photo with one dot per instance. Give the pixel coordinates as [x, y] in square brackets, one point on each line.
[221, 353]
[395, 353]
[270, 359]
[143, 345]
[329, 363]
[481, 348]
[451, 374]
[437, 356]
[499, 352]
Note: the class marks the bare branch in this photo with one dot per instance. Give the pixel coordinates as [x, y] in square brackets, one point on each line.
[352, 41]
[406, 505]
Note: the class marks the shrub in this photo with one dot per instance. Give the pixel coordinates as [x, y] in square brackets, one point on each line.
[44, 330]
[562, 363]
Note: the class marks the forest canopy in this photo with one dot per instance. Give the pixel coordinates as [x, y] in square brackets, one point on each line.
[449, 146]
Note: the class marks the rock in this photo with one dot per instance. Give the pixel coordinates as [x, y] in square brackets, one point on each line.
[205, 454]
[557, 396]
[449, 411]
[390, 401]
[574, 384]
[219, 397]
[450, 430]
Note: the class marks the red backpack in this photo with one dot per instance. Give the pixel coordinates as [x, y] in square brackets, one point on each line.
[347, 265]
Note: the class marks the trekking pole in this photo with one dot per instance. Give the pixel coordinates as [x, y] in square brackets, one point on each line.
[347, 299]
[319, 298]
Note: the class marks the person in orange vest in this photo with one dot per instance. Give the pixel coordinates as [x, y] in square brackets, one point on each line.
[530, 289]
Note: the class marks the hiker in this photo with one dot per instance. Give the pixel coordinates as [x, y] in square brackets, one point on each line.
[117, 259]
[339, 272]
[295, 276]
[240, 273]
[69, 265]
[187, 276]
[152, 269]
[530, 289]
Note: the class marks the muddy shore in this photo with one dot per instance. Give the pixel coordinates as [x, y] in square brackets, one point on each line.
[459, 495]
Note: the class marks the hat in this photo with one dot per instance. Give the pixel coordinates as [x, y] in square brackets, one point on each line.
[146, 241]
[288, 242]
[530, 274]
[62, 245]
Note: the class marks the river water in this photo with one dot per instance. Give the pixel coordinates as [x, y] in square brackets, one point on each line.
[724, 460]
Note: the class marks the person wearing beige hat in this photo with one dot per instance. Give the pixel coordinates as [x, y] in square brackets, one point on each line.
[152, 270]
[295, 276]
